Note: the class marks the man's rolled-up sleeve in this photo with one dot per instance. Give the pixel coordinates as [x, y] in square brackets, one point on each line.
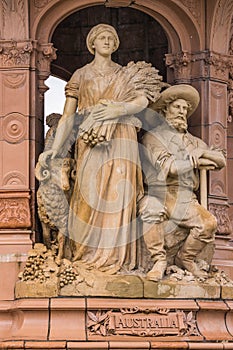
[159, 157]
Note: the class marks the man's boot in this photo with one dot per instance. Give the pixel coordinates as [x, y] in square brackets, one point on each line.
[154, 239]
[157, 271]
[187, 255]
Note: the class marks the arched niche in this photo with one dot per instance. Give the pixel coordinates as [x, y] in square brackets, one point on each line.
[142, 38]
[181, 26]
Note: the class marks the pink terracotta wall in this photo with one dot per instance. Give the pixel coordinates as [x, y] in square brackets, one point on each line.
[196, 56]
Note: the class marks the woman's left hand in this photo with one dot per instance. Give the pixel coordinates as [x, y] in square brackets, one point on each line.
[108, 110]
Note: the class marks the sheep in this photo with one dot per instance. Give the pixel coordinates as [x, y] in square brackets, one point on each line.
[53, 200]
[55, 188]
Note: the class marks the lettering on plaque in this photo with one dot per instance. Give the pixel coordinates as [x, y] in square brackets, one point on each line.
[142, 322]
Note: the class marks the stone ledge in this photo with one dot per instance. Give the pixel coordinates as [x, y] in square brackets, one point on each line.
[107, 286]
[174, 289]
[120, 286]
[227, 292]
[123, 345]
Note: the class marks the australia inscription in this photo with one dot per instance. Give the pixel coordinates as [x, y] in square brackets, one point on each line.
[142, 322]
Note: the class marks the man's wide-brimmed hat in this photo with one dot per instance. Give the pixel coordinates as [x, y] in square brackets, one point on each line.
[181, 91]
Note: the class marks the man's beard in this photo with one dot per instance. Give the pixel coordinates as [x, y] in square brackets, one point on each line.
[179, 125]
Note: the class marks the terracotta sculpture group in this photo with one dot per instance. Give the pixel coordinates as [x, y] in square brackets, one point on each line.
[129, 205]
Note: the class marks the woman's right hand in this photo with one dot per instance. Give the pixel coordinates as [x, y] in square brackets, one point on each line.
[107, 110]
[44, 157]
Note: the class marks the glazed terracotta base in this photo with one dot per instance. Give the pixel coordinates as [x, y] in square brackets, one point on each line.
[111, 323]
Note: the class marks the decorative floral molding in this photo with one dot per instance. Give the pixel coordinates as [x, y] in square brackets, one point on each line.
[14, 213]
[46, 54]
[220, 64]
[180, 63]
[220, 211]
[15, 53]
[208, 64]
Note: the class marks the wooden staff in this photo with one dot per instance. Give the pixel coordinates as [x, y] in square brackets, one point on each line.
[203, 187]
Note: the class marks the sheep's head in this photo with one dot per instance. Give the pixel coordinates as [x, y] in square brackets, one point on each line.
[58, 172]
[67, 167]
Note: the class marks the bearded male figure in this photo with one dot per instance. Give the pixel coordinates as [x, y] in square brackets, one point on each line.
[171, 159]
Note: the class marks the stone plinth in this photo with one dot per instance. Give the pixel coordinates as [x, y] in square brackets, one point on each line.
[45, 276]
[111, 323]
[120, 286]
[66, 305]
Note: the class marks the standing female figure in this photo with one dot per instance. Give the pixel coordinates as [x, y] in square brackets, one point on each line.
[102, 217]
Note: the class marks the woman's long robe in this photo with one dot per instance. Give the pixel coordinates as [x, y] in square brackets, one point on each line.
[103, 207]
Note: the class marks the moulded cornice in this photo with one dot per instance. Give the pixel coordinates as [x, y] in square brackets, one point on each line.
[211, 65]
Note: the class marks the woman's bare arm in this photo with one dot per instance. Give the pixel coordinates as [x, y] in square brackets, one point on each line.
[64, 129]
[65, 124]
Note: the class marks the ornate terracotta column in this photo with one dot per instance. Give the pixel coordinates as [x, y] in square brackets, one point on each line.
[42, 56]
[230, 127]
[24, 65]
[15, 216]
[209, 72]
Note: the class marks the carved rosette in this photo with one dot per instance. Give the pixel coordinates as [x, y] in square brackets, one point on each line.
[220, 211]
[46, 53]
[14, 212]
[14, 127]
[218, 136]
[180, 64]
[15, 54]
